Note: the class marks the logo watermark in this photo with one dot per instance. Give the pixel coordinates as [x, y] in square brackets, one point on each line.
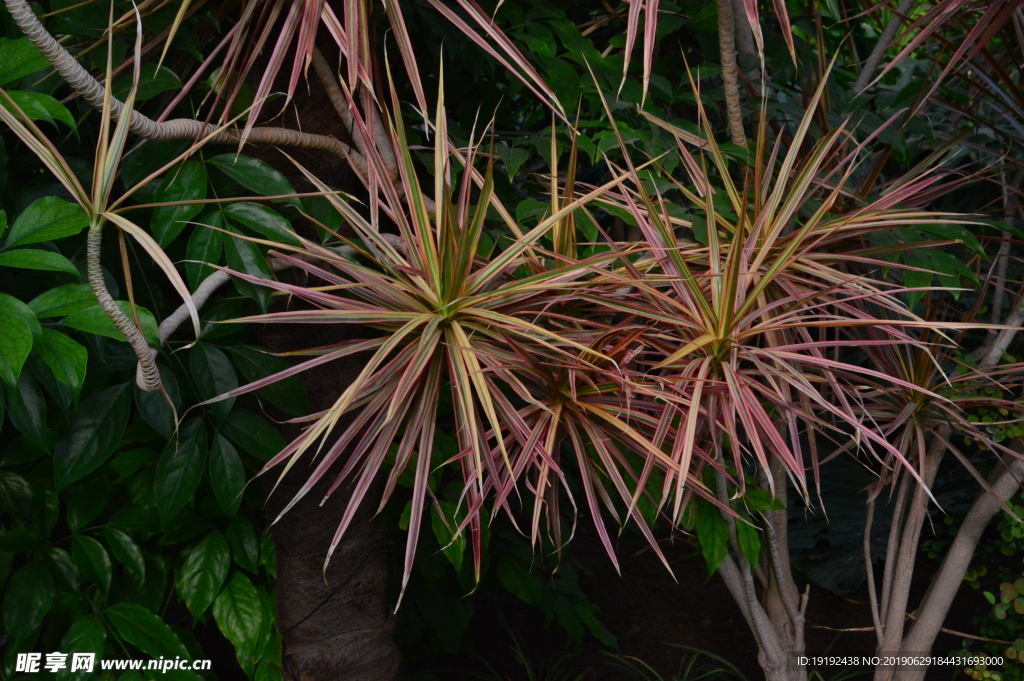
[32, 663]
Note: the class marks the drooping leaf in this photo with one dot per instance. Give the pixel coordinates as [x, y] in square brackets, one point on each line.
[93, 560]
[204, 573]
[185, 183]
[93, 434]
[15, 344]
[87, 634]
[204, 246]
[67, 358]
[245, 546]
[86, 501]
[227, 475]
[180, 469]
[150, 634]
[47, 219]
[154, 408]
[63, 569]
[253, 434]
[244, 256]
[288, 395]
[26, 407]
[238, 613]
[27, 599]
[713, 535]
[214, 375]
[126, 551]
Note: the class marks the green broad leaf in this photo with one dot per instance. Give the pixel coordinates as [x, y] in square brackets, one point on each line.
[268, 555]
[126, 551]
[46, 509]
[95, 320]
[227, 475]
[180, 469]
[26, 407]
[513, 158]
[47, 219]
[140, 627]
[39, 107]
[713, 534]
[958, 232]
[86, 501]
[453, 548]
[154, 408]
[262, 220]
[15, 344]
[253, 434]
[37, 259]
[204, 246]
[152, 81]
[15, 496]
[12, 306]
[288, 395]
[19, 58]
[238, 613]
[245, 546]
[66, 357]
[255, 176]
[204, 573]
[63, 300]
[87, 634]
[214, 375]
[92, 560]
[63, 569]
[93, 434]
[517, 577]
[245, 256]
[185, 183]
[913, 279]
[27, 599]
[747, 537]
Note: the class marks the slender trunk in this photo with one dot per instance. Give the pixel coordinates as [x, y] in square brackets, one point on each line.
[902, 571]
[730, 80]
[1005, 482]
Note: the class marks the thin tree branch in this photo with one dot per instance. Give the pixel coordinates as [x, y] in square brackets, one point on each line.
[867, 73]
[183, 128]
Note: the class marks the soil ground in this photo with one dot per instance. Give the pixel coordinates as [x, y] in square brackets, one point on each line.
[652, 616]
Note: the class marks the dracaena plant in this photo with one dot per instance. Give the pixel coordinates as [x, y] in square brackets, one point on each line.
[525, 376]
[751, 332]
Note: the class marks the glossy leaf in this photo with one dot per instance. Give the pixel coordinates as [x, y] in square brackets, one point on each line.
[87, 634]
[254, 435]
[93, 560]
[262, 220]
[15, 344]
[62, 300]
[204, 246]
[37, 259]
[93, 434]
[27, 599]
[66, 357]
[19, 58]
[204, 572]
[40, 107]
[95, 320]
[185, 183]
[180, 469]
[288, 395]
[47, 219]
[63, 569]
[713, 534]
[255, 175]
[26, 407]
[227, 475]
[214, 375]
[126, 551]
[245, 546]
[238, 613]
